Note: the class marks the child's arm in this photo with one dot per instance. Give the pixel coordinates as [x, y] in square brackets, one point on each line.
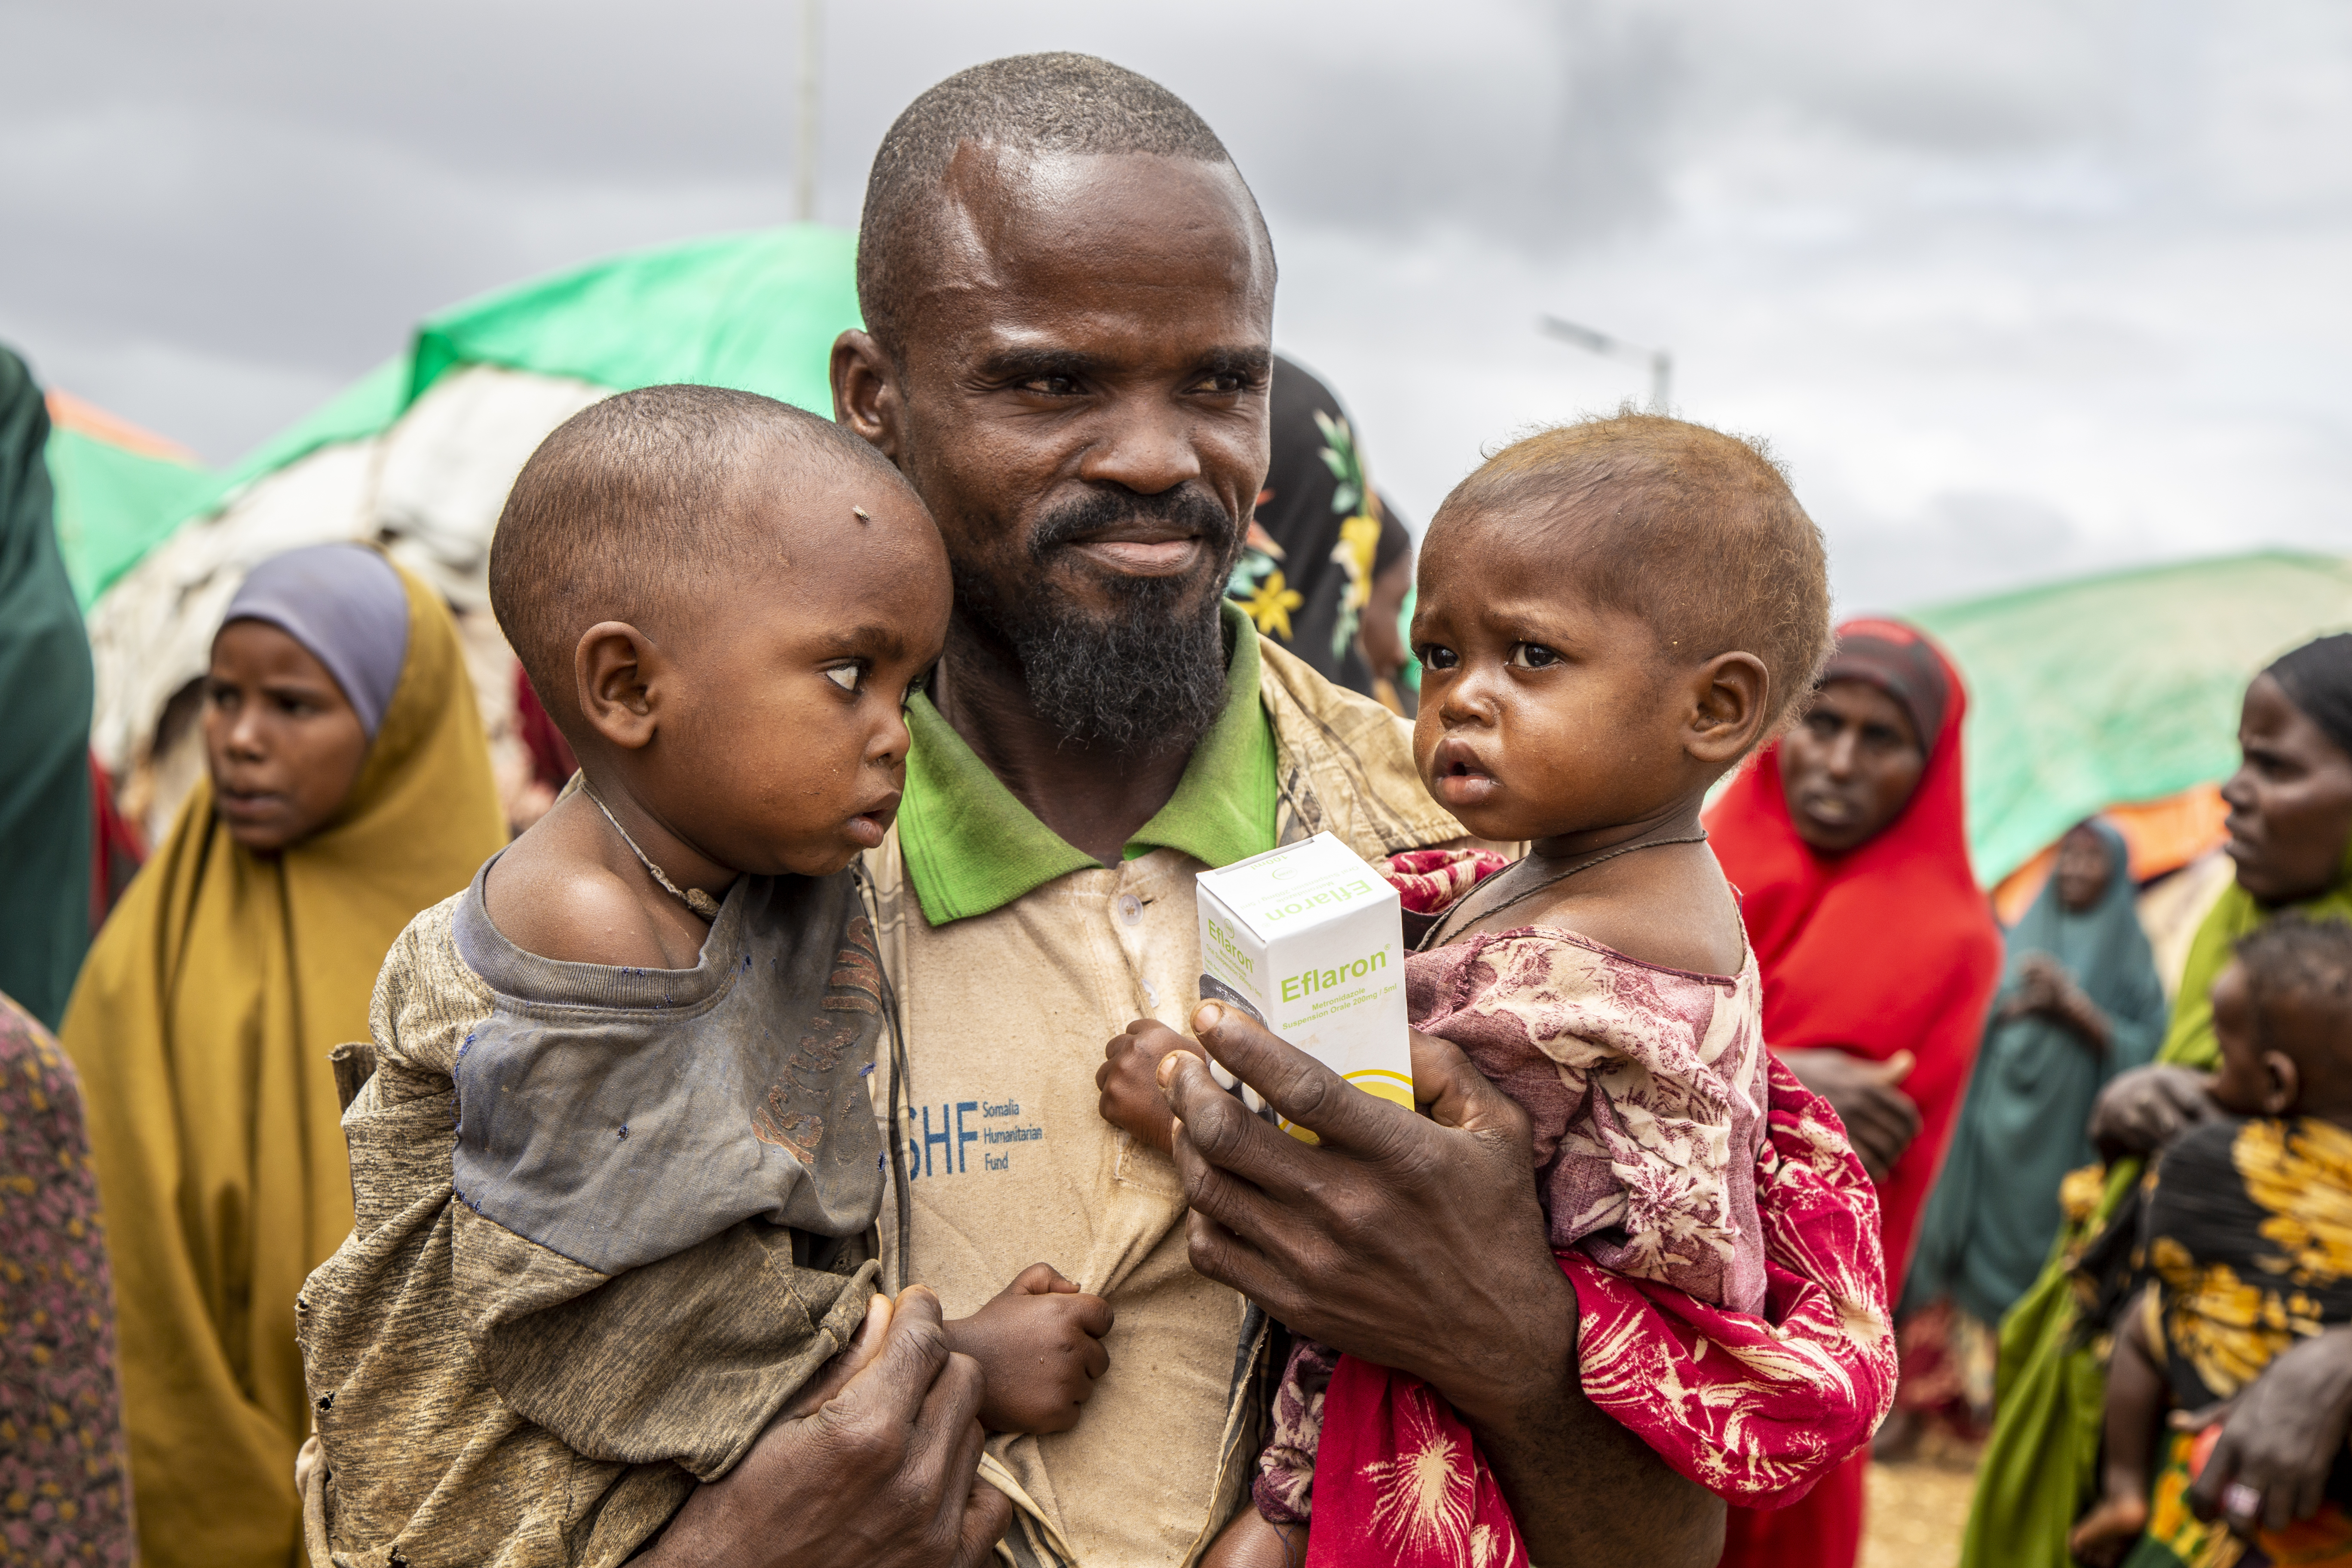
[1039, 1345]
[2135, 1402]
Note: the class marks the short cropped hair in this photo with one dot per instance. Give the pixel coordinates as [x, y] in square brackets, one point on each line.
[1069, 103]
[633, 503]
[1695, 531]
[2297, 958]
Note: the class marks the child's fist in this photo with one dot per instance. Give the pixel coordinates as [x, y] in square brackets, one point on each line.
[1129, 1081]
[1039, 1344]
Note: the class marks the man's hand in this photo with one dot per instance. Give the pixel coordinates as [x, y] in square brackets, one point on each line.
[2145, 1109]
[1129, 1081]
[1880, 1119]
[1416, 1243]
[2280, 1438]
[1039, 1345]
[886, 1436]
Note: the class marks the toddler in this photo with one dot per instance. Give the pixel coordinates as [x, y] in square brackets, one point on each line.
[2241, 1228]
[1612, 616]
[613, 1161]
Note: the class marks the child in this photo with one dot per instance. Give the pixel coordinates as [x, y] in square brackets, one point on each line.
[2242, 1230]
[616, 1169]
[1612, 616]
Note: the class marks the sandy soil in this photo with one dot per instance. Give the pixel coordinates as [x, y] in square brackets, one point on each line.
[1919, 1507]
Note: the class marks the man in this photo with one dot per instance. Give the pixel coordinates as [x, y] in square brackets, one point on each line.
[1068, 295]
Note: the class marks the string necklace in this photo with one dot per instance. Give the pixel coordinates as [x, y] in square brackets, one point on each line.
[1525, 894]
[696, 900]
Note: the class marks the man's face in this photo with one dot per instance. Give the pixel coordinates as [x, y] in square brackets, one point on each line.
[1082, 405]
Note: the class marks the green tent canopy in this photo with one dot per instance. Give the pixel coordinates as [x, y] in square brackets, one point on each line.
[115, 496]
[2120, 688]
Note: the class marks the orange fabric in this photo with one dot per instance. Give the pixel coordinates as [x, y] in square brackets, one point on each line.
[2162, 836]
[68, 412]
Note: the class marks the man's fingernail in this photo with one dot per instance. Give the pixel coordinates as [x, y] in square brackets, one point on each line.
[1167, 1067]
[1207, 1017]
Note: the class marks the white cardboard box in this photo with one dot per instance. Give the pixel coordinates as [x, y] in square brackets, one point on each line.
[1308, 938]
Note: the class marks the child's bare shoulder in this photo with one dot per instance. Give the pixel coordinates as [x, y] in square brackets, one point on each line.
[553, 894]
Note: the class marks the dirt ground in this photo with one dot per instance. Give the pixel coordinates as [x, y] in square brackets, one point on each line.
[1918, 1509]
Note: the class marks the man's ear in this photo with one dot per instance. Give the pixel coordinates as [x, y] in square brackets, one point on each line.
[618, 671]
[2281, 1083]
[865, 394]
[1728, 697]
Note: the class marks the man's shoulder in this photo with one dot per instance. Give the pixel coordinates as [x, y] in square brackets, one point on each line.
[1346, 763]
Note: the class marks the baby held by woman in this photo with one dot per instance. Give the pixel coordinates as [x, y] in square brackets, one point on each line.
[1613, 616]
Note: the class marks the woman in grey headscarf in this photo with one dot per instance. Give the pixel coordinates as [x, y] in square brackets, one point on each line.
[349, 788]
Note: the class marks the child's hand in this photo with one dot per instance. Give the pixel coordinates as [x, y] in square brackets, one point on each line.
[1129, 1081]
[1039, 1343]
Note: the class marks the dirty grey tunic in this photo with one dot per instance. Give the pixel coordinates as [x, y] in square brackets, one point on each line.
[608, 1222]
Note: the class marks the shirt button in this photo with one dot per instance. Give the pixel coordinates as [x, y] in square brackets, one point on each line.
[1130, 909]
[1150, 997]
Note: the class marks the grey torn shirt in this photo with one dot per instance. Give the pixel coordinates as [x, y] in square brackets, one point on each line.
[543, 1331]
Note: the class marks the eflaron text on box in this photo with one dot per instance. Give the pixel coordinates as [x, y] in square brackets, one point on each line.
[1308, 938]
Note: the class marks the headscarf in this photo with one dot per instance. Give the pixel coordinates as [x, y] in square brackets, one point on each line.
[1888, 947]
[1995, 1210]
[1319, 535]
[47, 814]
[202, 1027]
[345, 603]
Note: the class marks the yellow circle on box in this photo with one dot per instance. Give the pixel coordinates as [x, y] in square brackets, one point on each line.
[1375, 1082]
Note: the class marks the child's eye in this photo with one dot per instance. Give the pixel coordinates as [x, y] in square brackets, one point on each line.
[1533, 656]
[845, 676]
[1436, 656]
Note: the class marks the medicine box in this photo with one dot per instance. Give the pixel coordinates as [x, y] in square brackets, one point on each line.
[1308, 939]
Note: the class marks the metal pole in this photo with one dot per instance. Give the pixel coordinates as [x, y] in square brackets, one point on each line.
[1661, 373]
[805, 148]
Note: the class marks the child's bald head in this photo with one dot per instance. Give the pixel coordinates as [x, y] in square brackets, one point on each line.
[638, 508]
[1693, 531]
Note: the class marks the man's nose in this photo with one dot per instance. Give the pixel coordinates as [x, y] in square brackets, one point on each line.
[1144, 445]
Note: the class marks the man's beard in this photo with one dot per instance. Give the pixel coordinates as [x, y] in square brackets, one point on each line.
[1148, 679]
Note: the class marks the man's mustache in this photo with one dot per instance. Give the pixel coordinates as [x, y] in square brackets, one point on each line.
[1184, 507]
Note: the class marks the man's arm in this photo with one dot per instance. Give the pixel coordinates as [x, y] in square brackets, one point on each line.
[887, 1439]
[1417, 1244]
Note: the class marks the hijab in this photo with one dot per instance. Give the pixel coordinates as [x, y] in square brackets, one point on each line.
[1995, 1210]
[46, 812]
[202, 1027]
[1319, 535]
[2317, 678]
[344, 602]
[1887, 947]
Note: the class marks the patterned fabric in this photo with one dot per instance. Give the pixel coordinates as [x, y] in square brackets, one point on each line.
[1755, 1408]
[2177, 1538]
[2247, 1228]
[1428, 880]
[65, 1493]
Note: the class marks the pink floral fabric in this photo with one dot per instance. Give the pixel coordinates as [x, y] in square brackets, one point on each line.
[1721, 1236]
[64, 1488]
[1427, 880]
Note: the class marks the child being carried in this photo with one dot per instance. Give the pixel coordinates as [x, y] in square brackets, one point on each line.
[1612, 616]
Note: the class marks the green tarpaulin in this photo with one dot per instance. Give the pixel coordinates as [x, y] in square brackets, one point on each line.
[113, 504]
[2123, 688]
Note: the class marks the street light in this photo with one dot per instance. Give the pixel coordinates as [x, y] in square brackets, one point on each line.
[1661, 364]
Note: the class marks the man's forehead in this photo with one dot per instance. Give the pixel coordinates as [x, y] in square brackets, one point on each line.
[1036, 234]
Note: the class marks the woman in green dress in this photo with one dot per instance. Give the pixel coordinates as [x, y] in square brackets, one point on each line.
[2291, 838]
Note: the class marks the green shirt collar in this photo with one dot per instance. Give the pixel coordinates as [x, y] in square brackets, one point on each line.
[970, 847]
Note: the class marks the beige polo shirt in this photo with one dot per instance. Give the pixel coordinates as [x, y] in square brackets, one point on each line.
[1015, 958]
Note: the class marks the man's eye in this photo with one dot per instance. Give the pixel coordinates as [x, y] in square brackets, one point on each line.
[1436, 656]
[1533, 656]
[846, 677]
[1052, 385]
[1224, 383]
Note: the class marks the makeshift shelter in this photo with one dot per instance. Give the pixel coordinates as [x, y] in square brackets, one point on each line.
[2122, 691]
[419, 454]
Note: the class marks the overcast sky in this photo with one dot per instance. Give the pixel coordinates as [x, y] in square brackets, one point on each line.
[2018, 290]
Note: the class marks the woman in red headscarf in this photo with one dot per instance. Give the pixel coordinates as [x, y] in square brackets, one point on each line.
[1848, 842]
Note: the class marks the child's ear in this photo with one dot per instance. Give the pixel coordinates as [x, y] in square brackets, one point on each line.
[1729, 693]
[616, 668]
[2281, 1083]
